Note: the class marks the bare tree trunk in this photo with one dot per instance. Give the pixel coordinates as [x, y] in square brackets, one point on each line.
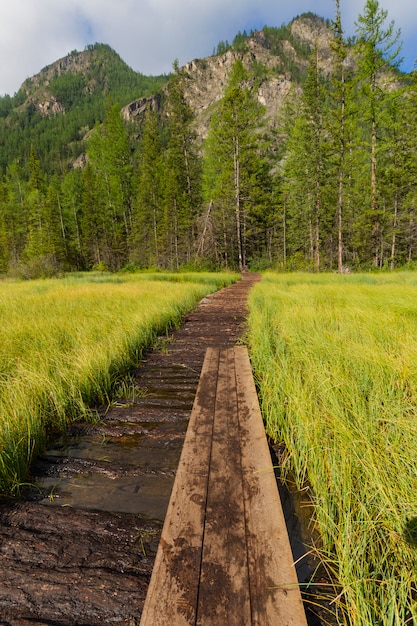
[77, 228]
[340, 200]
[394, 232]
[340, 225]
[201, 244]
[374, 215]
[317, 224]
[236, 166]
[284, 232]
[226, 255]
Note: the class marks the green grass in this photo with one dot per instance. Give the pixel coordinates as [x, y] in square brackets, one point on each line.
[64, 345]
[335, 358]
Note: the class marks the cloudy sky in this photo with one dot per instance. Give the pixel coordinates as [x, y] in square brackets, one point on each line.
[150, 34]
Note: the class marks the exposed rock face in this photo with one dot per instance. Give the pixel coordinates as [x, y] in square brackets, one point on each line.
[73, 62]
[80, 162]
[313, 31]
[50, 107]
[207, 78]
[140, 106]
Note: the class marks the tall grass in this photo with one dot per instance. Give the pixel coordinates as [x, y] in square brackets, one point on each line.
[65, 343]
[335, 358]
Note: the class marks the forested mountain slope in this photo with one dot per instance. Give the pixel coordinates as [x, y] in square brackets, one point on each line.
[290, 147]
[54, 110]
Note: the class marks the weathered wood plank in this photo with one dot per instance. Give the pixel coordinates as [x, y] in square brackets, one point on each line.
[224, 555]
[275, 595]
[172, 594]
[224, 585]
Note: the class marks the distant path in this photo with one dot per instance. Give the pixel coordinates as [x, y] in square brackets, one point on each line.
[82, 551]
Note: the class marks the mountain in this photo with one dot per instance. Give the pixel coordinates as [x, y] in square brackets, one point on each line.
[54, 110]
[82, 186]
[276, 57]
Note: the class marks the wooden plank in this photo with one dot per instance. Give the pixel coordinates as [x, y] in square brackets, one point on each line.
[275, 595]
[224, 585]
[173, 590]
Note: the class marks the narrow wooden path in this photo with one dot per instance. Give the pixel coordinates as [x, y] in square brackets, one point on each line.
[224, 557]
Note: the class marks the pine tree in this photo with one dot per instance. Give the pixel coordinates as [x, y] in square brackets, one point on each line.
[37, 239]
[95, 245]
[399, 173]
[340, 128]
[109, 156]
[14, 214]
[378, 50]
[4, 248]
[409, 227]
[147, 231]
[182, 178]
[232, 163]
[71, 204]
[58, 244]
[306, 170]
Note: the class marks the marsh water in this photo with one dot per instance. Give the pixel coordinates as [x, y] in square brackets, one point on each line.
[126, 462]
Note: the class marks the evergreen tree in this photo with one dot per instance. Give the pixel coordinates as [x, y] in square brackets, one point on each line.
[93, 226]
[232, 164]
[14, 215]
[378, 51]
[340, 129]
[71, 206]
[37, 236]
[306, 170]
[147, 231]
[409, 128]
[109, 156]
[4, 248]
[58, 243]
[182, 175]
[398, 174]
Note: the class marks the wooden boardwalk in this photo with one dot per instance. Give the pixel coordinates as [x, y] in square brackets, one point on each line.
[224, 557]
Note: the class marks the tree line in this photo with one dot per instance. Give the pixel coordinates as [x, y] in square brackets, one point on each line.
[329, 185]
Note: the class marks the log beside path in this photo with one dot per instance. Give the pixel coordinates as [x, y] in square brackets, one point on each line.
[224, 556]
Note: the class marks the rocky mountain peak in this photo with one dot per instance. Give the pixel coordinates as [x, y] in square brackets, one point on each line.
[277, 57]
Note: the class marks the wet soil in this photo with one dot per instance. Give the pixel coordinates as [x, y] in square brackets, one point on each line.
[78, 548]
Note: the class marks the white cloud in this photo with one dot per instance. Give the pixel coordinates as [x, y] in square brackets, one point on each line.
[150, 34]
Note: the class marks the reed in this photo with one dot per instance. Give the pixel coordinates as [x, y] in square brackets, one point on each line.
[335, 359]
[64, 345]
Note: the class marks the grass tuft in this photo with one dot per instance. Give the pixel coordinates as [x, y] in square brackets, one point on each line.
[65, 344]
[335, 359]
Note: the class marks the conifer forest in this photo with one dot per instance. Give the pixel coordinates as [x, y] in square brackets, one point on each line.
[328, 182]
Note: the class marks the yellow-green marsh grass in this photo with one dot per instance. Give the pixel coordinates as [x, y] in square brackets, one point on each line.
[65, 343]
[335, 358]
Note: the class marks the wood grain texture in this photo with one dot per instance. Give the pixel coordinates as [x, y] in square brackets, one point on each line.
[224, 596]
[173, 590]
[224, 557]
[275, 594]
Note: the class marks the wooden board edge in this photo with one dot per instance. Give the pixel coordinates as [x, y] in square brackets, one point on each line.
[276, 597]
[173, 588]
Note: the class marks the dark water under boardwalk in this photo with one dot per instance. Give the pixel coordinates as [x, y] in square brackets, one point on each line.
[79, 549]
